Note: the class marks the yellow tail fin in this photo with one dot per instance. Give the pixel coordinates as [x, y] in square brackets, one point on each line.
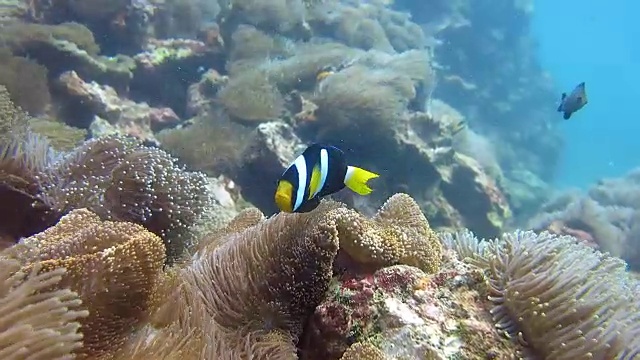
[356, 180]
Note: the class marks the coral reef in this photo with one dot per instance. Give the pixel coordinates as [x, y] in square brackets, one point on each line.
[128, 255]
[268, 288]
[606, 216]
[556, 296]
[330, 69]
[107, 113]
[398, 234]
[407, 315]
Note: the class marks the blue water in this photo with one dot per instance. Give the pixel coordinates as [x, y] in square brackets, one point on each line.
[596, 42]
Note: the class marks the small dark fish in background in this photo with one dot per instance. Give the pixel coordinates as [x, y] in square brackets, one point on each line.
[573, 102]
[321, 170]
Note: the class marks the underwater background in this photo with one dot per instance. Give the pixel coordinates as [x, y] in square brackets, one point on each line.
[153, 203]
[594, 44]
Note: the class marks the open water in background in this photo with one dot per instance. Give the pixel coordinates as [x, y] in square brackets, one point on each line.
[598, 42]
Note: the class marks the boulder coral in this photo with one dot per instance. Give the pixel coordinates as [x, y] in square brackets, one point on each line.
[363, 351]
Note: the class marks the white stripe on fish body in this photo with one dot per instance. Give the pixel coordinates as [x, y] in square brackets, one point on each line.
[301, 166]
[324, 170]
[349, 173]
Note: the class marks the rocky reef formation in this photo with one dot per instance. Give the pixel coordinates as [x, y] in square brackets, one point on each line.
[140, 144]
[489, 72]
[201, 78]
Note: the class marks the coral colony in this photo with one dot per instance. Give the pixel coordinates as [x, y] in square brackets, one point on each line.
[140, 147]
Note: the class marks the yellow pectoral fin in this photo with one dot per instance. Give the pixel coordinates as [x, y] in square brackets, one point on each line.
[283, 196]
[357, 180]
[314, 183]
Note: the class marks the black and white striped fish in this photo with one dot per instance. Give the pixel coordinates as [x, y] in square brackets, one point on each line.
[319, 171]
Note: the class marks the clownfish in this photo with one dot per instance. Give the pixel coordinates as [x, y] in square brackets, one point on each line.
[319, 171]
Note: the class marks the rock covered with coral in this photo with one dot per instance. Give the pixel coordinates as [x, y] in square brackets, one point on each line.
[408, 314]
[109, 113]
[330, 69]
[452, 188]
